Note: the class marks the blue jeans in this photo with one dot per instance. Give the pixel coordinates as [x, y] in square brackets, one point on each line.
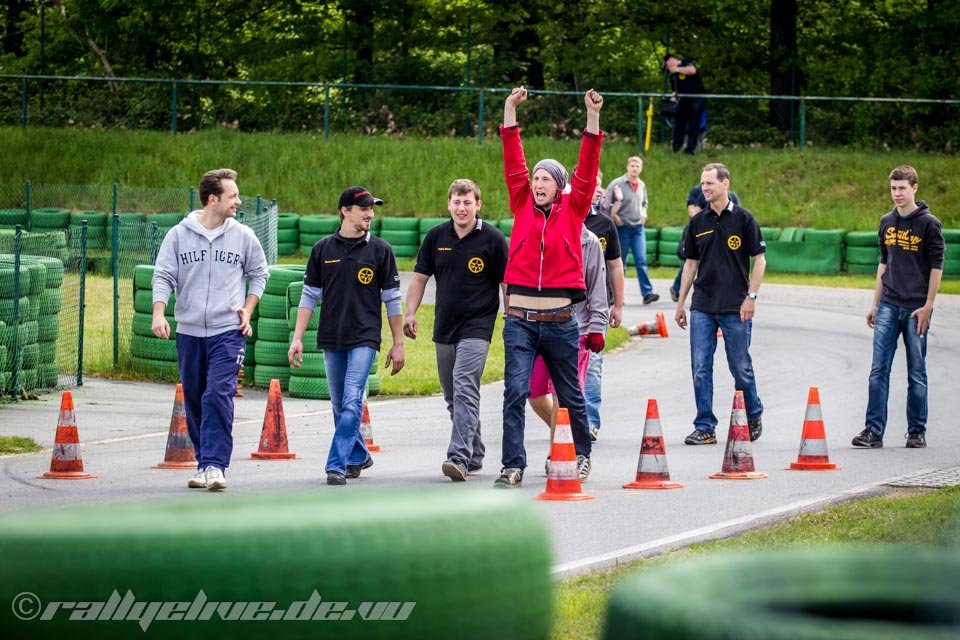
[703, 344]
[558, 343]
[347, 378]
[676, 281]
[891, 321]
[634, 239]
[591, 389]
[208, 369]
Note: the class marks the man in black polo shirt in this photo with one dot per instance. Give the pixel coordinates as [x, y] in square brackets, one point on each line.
[718, 246]
[352, 271]
[468, 258]
[686, 80]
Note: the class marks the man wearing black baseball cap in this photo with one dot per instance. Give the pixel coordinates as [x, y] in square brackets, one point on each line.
[352, 272]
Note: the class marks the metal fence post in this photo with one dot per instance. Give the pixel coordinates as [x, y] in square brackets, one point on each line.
[28, 190]
[639, 125]
[23, 103]
[17, 250]
[173, 109]
[480, 125]
[803, 124]
[83, 299]
[259, 205]
[115, 270]
[326, 111]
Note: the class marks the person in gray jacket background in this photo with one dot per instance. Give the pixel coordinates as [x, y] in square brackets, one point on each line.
[206, 259]
[626, 198]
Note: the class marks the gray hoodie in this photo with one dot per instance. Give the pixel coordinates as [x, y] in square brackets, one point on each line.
[208, 275]
[593, 313]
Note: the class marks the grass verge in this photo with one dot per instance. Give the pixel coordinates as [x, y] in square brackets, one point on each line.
[915, 517]
[18, 444]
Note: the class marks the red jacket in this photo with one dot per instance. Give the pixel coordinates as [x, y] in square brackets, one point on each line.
[545, 252]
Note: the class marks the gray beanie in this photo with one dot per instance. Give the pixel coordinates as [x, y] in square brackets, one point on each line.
[556, 171]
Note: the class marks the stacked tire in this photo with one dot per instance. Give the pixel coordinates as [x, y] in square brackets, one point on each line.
[272, 343]
[862, 252]
[96, 231]
[652, 237]
[313, 228]
[12, 217]
[429, 223]
[30, 324]
[506, 226]
[667, 246]
[288, 233]
[951, 258]
[310, 379]
[403, 234]
[150, 355]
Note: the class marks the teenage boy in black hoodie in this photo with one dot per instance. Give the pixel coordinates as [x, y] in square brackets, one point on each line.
[911, 265]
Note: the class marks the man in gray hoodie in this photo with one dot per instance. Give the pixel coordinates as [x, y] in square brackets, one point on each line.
[206, 259]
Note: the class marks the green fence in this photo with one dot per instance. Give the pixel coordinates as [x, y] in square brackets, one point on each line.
[67, 259]
[466, 111]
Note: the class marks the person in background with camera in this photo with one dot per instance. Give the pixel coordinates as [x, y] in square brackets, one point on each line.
[685, 80]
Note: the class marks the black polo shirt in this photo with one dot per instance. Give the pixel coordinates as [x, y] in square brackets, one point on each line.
[469, 271]
[723, 244]
[351, 272]
[604, 228]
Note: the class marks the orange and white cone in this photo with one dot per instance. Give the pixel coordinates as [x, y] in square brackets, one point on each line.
[652, 472]
[656, 327]
[563, 477]
[180, 453]
[738, 458]
[366, 429]
[66, 462]
[273, 436]
[813, 454]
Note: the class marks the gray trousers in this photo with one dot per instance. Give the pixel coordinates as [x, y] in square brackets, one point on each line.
[460, 366]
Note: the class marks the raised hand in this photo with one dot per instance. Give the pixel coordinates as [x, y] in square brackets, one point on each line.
[593, 101]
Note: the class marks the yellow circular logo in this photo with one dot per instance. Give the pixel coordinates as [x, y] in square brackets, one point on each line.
[603, 244]
[733, 242]
[475, 265]
[365, 275]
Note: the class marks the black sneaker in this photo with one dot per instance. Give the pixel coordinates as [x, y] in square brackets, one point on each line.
[701, 437]
[454, 470]
[336, 478]
[916, 440]
[674, 295]
[509, 479]
[353, 470]
[869, 439]
[756, 428]
[651, 297]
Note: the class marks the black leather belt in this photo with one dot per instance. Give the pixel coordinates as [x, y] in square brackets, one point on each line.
[563, 314]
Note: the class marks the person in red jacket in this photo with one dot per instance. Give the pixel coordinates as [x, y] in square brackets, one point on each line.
[544, 278]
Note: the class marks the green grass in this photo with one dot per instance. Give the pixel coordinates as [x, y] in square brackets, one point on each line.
[915, 517]
[18, 444]
[821, 188]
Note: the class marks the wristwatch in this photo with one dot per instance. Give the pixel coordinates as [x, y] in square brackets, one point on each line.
[751, 295]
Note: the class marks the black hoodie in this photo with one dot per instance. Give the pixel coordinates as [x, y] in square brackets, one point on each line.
[910, 247]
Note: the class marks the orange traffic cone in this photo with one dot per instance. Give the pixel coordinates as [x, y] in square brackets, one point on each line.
[66, 462]
[273, 437]
[366, 429]
[738, 459]
[652, 472]
[813, 454]
[654, 327]
[180, 454]
[563, 477]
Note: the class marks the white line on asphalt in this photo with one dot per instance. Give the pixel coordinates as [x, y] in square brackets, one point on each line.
[621, 556]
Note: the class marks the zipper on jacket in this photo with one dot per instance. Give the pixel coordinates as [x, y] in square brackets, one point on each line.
[543, 235]
[206, 306]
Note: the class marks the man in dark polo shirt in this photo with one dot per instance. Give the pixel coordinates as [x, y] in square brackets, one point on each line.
[685, 79]
[468, 257]
[352, 272]
[719, 244]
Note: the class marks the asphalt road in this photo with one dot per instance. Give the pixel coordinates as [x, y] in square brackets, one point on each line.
[802, 337]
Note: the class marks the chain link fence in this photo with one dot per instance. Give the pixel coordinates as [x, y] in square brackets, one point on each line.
[68, 256]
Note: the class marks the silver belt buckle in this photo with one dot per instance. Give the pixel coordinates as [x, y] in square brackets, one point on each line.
[528, 312]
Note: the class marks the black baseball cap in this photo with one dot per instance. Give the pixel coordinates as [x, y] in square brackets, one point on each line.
[358, 196]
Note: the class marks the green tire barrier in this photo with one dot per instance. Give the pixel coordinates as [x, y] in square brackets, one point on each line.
[272, 329]
[863, 255]
[667, 253]
[400, 237]
[951, 268]
[153, 348]
[304, 387]
[54, 270]
[399, 224]
[319, 225]
[651, 234]
[506, 225]
[405, 250]
[156, 368]
[50, 301]
[8, 306]
[287, 220]
[803, 257]
[7, 281]
[287, 248]
[43, 219]
[143, 302]
[13, 217]
[951, 236]
[249, 373]
[877, 593]
[31, 355]
[373, 384]
[271, 353]
[143, 276]
[288, 236]
[310, 239]
[312, 366]
[283, 275]
[312, 324]
[374, 366]
[264, 373]
[671, 234]
[48, 375]
[770, 233]
[48, 327]
[309, 341]
[861, 239]
[95, 219]
[429, 223]
[48, 351]
[273, 306]
[166, 220]
[3, 359]
[443, 551]
[828, 236]
[8, 333]
[142, 325]
[31, 331]
[28, 378]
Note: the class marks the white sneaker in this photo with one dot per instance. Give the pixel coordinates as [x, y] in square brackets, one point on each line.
[198, 481]
[215, 479]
